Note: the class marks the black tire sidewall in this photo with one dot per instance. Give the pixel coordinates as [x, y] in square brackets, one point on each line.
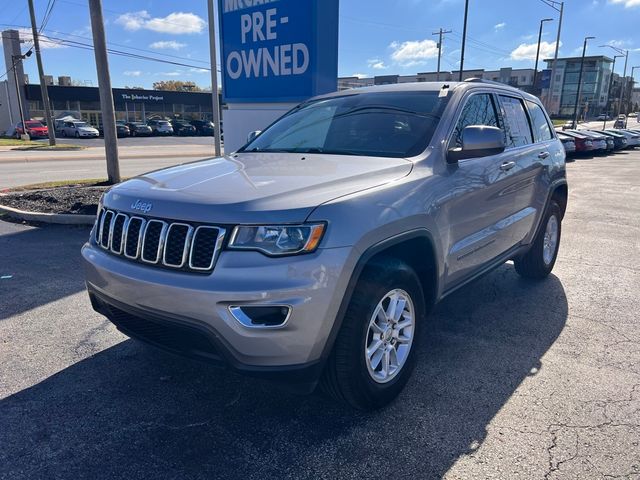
[377, 283]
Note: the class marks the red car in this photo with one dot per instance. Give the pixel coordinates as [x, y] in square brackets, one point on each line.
[34, 129]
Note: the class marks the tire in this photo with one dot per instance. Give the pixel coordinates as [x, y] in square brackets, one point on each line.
[348, 377]
[77, 135]
[538, 262]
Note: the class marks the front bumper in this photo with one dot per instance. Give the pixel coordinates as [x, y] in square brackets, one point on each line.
[313, 285]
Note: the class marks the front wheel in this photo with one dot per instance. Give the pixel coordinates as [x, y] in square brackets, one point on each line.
[374, 353]
[538, 262]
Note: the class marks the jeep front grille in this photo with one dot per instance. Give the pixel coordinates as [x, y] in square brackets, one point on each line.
[161, 243]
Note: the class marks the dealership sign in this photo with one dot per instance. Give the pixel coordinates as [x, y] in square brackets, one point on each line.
[278, 50]
[135, 97]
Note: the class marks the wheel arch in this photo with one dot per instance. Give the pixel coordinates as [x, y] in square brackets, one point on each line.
[416, 248]
[560, 193]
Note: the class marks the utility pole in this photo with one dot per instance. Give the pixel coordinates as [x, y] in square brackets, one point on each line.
[106, 94]
[613, 68]
[579, 92]
[535, 69]
[15, 59]
[464, 37]
[440, 35]
[214, 80]
[628, 103]
[553, 4]
[43, 86]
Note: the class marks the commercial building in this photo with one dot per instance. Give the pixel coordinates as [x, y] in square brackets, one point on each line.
[522, 78]
[84, 102]
[562, 89]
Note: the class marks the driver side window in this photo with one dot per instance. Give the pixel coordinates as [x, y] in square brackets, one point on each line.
[479, 110]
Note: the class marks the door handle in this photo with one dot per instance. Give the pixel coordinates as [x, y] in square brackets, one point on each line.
[507, 166]
[543, 155]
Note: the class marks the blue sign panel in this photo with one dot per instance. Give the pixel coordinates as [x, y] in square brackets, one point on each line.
[278, 50]
[545, 79]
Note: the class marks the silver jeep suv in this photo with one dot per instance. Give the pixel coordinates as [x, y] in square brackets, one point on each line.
[313, 254]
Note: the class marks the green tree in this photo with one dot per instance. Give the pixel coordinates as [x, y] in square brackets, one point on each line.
[176, 86]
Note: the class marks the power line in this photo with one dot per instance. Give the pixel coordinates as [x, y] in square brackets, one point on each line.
[88, 46]
[59, 32]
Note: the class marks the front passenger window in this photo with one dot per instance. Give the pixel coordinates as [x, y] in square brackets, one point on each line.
[479, 110]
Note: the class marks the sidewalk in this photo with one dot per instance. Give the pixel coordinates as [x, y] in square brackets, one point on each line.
[96, 153]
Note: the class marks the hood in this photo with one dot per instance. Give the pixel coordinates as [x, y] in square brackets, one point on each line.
[254, 187]
[87, 129]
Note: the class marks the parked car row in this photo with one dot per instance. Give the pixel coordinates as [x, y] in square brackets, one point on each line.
[598, 141]
[162, 127]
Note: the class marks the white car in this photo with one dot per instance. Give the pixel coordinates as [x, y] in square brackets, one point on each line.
[79, 129]
[160, 127]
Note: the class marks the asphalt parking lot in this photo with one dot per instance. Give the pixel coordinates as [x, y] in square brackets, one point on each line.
[516, 379]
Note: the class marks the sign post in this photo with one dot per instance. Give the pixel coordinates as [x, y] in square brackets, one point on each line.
[275, 54]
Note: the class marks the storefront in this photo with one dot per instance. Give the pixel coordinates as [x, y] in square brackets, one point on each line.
[130, 105]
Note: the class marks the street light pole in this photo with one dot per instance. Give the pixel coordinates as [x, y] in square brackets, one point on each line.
[43, 85]
[633, 82]
[625, 54]
[579, 92]
[105, 91]
[553, 4]
[464, 38]
[624, 78]
[535, 69]
[613, 68]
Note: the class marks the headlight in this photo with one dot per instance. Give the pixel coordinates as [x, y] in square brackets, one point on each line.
[277, 239]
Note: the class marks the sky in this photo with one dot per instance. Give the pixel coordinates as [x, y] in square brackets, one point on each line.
[377, 37]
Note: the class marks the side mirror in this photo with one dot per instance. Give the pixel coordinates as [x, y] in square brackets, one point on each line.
[253, 135]
[478, 141]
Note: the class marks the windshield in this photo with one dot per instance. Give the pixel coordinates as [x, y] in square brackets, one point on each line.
[385, 124]
[34, 124]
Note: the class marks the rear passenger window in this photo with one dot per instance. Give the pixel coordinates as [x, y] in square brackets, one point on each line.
[541, 129]
[517, 128]
[479, 110]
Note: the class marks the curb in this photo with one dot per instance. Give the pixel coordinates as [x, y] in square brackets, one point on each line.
[29, 159]
[52, 218]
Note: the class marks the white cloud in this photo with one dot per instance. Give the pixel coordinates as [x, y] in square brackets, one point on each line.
[133, 20]
[132, 73]
[627, 3]
[199, 70]
[45, 42]
[408, 54]
[175, 73]
[377, 64]
[175, 23]
[499, 26]
[167, 45]
[359, 75]
[527, 51]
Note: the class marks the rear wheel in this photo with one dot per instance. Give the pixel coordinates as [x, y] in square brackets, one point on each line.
[374, 353]
[538, 262]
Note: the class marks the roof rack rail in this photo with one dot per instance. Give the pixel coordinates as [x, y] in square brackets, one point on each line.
[482, 80]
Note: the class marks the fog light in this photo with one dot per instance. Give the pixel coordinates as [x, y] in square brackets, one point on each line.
[261, 316]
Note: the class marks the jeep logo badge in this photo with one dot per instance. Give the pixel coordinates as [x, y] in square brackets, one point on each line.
[142, 206]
